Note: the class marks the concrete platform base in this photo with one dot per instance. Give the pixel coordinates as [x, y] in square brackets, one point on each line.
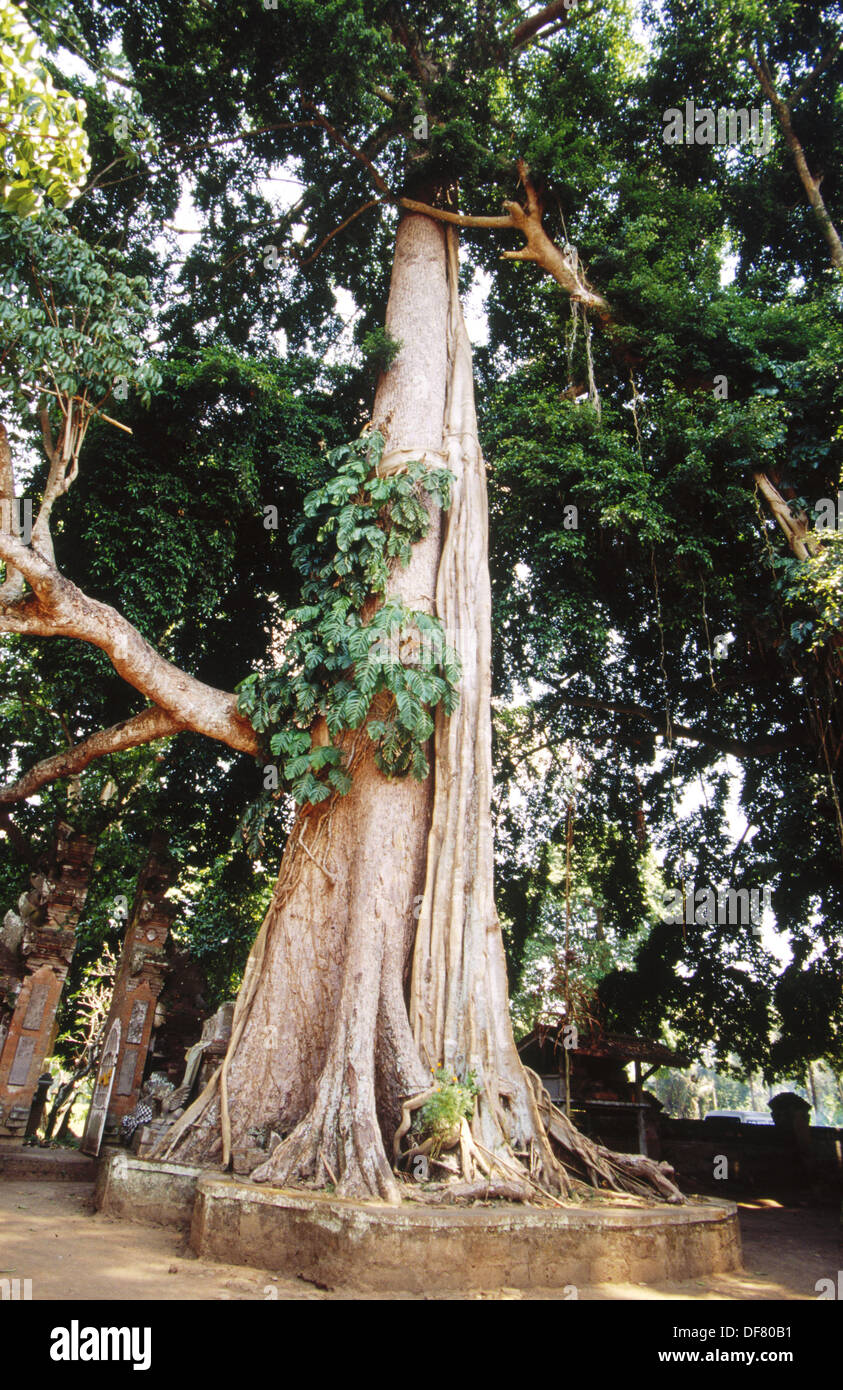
[416, 1249]
[160, 1194]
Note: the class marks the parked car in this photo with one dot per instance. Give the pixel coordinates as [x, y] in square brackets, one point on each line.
[746, 1117]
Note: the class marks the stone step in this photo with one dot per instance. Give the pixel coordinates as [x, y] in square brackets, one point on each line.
[25, 1163]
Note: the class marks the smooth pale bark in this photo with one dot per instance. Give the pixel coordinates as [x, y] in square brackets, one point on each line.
[562, 265]
[459, 1001]
[796, 527]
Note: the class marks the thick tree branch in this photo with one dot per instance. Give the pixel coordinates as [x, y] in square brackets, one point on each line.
[809, 183]
[538, 247]
[60, 609]
[557, 12]
[146, 727]
[796, 528]
[458, 219]
[562, 265]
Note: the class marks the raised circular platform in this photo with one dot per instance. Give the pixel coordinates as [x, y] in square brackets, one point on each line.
[420, 1249]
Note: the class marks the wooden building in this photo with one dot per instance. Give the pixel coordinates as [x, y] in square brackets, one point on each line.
[604, 1102]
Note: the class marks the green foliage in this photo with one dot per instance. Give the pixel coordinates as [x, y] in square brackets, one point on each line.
[380, 349]
[452, 1101]
[71, 324]
[618, 624]
[337, 661]
[187, 558]
[43, 144]
[691, 1093]
[222, 902]
[817, 584]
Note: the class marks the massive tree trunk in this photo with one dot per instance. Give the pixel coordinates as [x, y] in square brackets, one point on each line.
[321, 1046]
[324, 1050]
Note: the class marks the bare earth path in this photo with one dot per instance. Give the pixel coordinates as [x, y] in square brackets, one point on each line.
[50, 1234]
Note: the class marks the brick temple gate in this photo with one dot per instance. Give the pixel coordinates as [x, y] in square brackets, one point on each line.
[140, 977]
[37, 947]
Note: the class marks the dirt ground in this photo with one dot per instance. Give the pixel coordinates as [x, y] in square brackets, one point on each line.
[49, 1233]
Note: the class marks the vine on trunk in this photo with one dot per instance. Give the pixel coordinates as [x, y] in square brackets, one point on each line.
[341, 654]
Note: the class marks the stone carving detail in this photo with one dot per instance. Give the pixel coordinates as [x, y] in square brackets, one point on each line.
[37, 1005]
[137, 1019]
[202, 1060]
[19, 1074]
[126, 1078]
[102, 1091]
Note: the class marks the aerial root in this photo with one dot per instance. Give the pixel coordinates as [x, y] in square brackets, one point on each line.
[559, 1160]
[621, 1172]
[480, 1173]
[407, 1110]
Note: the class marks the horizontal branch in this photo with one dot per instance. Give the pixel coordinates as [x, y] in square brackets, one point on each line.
[458, 219]
[562, 265]
[59, 609]
[146, 727]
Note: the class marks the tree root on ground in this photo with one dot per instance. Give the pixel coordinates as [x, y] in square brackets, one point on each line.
[509, 1174]
[458, 1193]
